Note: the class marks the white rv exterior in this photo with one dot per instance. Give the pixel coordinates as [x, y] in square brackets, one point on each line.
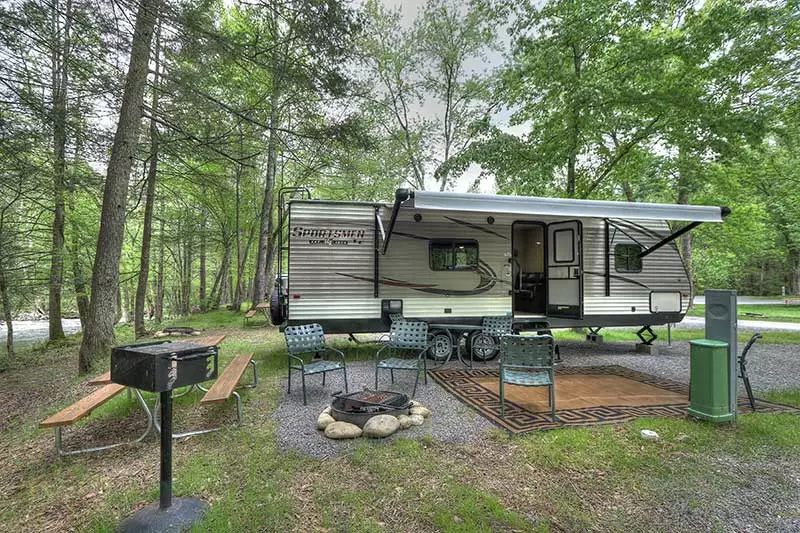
[450, 258]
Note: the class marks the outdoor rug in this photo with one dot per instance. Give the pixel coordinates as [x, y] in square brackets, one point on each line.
[584, 396]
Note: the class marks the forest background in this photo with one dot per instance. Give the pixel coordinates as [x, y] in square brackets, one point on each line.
[143, 142]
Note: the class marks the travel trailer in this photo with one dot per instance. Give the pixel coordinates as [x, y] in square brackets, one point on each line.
[452, 259]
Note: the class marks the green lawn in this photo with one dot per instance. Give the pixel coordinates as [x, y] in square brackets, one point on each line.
[772, 312]
[604, 478]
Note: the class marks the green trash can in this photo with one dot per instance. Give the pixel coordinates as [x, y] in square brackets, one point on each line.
[710, 381]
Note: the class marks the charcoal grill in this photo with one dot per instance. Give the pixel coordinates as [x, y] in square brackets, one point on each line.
[161, 367]
[358, 407]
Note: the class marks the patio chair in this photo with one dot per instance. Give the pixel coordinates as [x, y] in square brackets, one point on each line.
[483, 343]
[310, 339]
[404, 337]
[743, 369]
[527, 362]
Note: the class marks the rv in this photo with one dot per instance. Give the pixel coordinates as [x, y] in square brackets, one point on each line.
[451, 259]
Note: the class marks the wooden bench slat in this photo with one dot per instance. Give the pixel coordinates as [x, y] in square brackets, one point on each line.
[262, 305]
[83, 407]
[102, 379]
[250, 314]
[222, 388]
[215, 340]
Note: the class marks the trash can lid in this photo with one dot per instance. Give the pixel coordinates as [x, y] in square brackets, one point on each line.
[710, 343]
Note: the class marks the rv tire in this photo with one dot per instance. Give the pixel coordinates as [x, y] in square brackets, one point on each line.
[486, 346]
[441, 345]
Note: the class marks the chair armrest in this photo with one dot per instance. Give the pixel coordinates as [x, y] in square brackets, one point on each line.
[341, 354]
[380, 350]
[299, 359]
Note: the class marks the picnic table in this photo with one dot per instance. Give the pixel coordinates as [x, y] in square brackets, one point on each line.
[220, 391]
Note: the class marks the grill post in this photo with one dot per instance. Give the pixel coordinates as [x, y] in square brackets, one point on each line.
[165, 487]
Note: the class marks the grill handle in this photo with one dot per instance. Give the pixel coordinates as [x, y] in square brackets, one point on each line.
[189, 357]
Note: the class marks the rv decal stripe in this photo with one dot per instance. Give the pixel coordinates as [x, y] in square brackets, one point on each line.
[476, 227]
[486, 282]
[411, 236]
[621, 278]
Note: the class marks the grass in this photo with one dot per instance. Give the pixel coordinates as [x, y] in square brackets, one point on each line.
[602, 478]
[771, 312]
[682, 334]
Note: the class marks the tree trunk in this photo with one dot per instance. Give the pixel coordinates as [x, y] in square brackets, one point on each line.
[7, 312]
[60, 79]
[186, 278]
[78, 277]
[125, 303]
[574, 127]
[794, 264]
[99, 333]
[202, 292]
[219, 279]
[147, 230]
[159, 307]
[260, 279]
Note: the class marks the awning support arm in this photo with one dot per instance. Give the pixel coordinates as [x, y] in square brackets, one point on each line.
[400, 196]
[686, 229]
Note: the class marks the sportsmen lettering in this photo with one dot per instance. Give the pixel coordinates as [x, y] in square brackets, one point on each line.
[329, 236]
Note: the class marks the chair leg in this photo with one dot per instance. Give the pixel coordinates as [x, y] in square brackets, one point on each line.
[416, 381]
[344, 369]
[553, 402]
[303, 379]
[391, 373]
[289, 388]
[376, 376]
[424, 370]
[323, 378]
[502, 397]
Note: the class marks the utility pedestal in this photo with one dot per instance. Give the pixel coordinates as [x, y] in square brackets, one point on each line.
[721, 325]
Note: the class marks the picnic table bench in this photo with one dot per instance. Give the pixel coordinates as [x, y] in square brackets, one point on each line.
[262, 307]
[83, 408]
[219, 392]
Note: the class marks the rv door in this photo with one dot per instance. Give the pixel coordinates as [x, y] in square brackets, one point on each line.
[565, 269]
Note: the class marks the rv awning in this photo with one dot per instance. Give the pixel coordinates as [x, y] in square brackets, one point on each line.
[526, 205]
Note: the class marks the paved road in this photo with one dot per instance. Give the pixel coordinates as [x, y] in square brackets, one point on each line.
[697, 322]
[746, 300]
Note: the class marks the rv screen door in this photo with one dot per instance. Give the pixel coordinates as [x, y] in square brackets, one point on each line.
[565, 270]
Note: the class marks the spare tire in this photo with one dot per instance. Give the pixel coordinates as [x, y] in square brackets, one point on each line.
[277, 310]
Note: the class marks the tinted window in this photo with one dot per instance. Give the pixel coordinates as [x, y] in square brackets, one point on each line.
[453, 255]
[626, 258]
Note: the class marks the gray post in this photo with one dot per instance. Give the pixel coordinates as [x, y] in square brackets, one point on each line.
[721, 325]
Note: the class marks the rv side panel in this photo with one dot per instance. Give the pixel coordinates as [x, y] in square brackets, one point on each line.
[331, 261]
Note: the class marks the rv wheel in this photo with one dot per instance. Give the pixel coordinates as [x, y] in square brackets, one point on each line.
[482, 345]
[441, 345]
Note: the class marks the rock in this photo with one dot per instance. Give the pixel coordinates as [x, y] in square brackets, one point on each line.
[405, 421]
[381, 426]
[648, 434]
[327, 410]
[419, 410]
[415, 403]
[417, 420]
[342, 430]
[324, 420]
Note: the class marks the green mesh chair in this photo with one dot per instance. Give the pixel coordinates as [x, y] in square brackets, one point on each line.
[404, 338]
[528, 362]
[310, 339]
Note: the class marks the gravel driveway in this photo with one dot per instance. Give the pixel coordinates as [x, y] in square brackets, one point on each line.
[770, 367]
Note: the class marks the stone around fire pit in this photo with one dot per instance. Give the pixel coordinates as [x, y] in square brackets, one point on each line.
[342, 430]
[381, 426]
[324, 420]
[417, 420]
[419, 410]
[405, 421]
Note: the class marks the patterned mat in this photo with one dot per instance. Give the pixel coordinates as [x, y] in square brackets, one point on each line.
[587, 396]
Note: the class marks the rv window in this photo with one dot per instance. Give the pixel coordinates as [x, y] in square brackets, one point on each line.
[453, 255]
[626, 258]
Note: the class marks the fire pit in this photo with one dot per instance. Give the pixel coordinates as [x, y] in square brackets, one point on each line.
[358, 407]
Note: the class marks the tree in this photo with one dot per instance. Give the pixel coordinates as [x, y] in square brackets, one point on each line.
[99, 333]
